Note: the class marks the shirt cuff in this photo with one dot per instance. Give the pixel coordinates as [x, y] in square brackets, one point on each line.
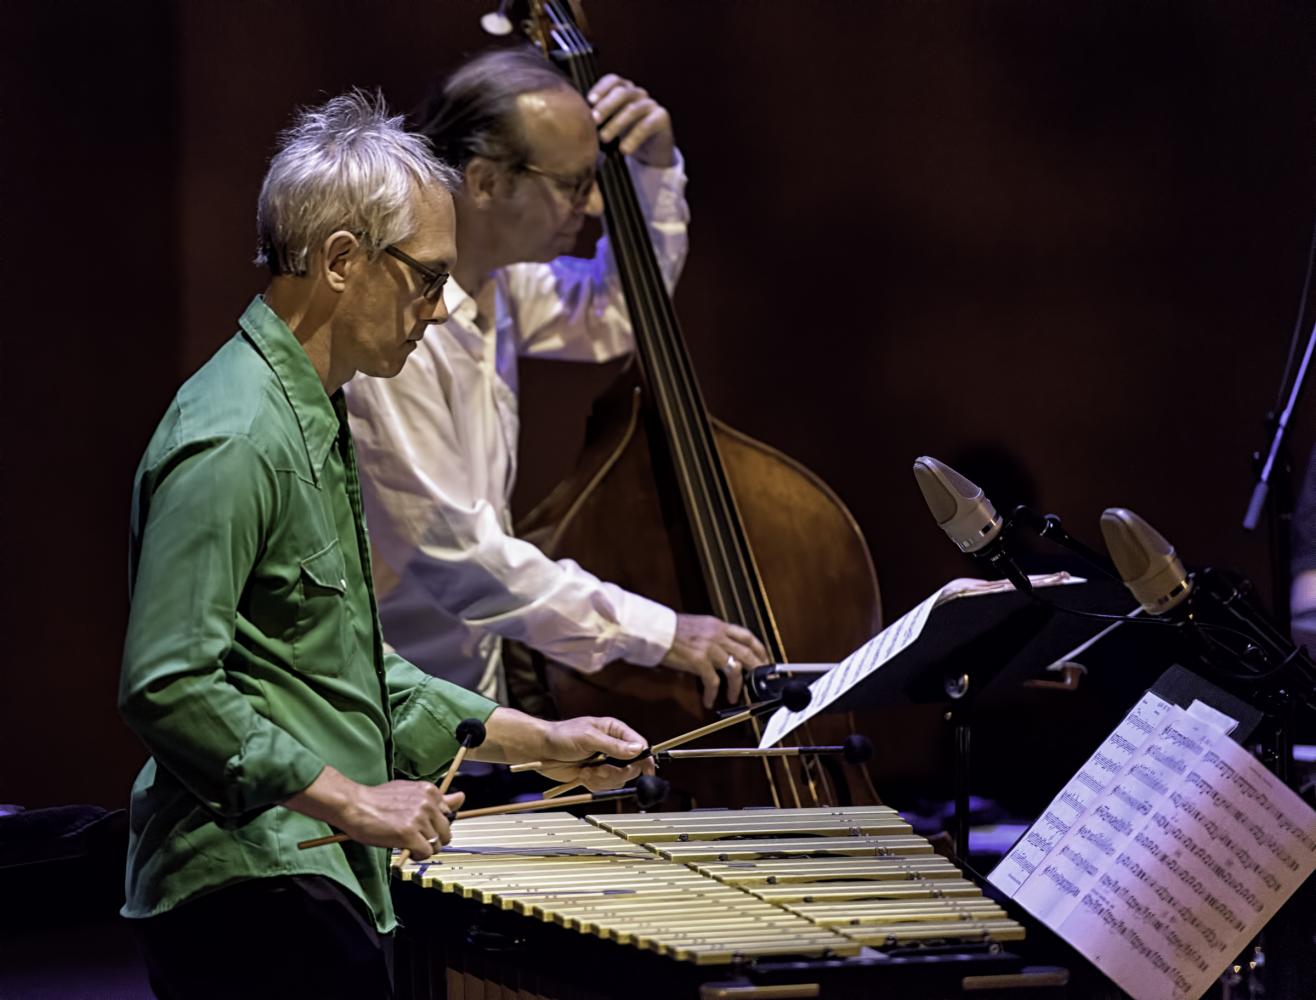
[425, 729]
[661, 189]
[270, 768]
[647, 630]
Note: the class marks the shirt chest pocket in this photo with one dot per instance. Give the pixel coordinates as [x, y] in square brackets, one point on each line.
[319, 644]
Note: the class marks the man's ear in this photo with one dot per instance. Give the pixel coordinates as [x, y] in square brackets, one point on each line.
[339, 258]
[482, 180]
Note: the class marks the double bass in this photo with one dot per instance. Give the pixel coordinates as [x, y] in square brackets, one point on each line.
[671, 503]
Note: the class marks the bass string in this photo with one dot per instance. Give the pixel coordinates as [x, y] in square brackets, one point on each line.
[670, 373]
[725, 549]
[733, 578]
[707, 500]
[669, 353]
[645, 303]
[671, 383]
[726, 528]
[722, 558]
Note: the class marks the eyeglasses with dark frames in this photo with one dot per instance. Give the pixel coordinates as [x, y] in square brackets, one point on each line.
[575, 188]
[434, 280]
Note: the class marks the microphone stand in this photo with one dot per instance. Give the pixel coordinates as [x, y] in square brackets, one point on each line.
[1285, 681]
[1285, 673]
[961, 688]
[1049, 527]
[1286, 677]
[1276, 470]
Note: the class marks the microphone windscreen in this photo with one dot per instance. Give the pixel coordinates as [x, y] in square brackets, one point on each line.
[933, 482]
[1147, 563]
[958, 505]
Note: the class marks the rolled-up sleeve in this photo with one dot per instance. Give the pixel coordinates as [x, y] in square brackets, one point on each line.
[426, 713]
[205, 506]
[428, 524]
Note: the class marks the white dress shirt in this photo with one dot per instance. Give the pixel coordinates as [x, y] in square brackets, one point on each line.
[436, 447]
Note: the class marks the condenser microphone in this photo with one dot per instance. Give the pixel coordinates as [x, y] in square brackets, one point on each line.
[966, 516]
[1147, 563]
[959, 506]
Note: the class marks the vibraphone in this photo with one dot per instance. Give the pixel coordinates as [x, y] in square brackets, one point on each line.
[746, 903]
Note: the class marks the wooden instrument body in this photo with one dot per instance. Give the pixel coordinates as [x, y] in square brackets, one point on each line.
[619, 516]
[674, 506]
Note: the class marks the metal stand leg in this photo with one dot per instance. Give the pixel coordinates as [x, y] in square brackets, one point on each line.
[961, 832]
[960, 715]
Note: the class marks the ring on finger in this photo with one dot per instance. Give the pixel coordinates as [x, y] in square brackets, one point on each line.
[731, 665]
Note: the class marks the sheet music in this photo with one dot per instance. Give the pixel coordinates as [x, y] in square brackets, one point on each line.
[1214, 860]
[885, 646]
[1091, 780]
[1077, 797]
[1082, 854]
[1177, 859]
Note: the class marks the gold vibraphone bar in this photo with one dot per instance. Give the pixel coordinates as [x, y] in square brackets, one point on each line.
[781, 892]
[563, 870]
[851, 857]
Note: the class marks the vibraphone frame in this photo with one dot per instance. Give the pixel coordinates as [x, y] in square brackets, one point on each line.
[455, 948]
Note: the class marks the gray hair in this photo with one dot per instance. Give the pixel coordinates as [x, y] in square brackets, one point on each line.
[346, 164]
[474, 111]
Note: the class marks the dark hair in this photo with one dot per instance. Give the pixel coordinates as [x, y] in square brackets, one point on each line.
[473, 111]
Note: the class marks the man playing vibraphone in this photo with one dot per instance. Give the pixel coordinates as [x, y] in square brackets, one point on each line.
[253, 666]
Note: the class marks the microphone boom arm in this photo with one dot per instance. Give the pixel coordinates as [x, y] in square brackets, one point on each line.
[1048, 527]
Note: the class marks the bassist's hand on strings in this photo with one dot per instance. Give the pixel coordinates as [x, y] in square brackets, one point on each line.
[710, 648]
[641, 125]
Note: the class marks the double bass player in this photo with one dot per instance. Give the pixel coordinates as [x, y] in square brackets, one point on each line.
[437, 445]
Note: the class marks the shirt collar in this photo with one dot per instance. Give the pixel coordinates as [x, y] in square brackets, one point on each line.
[277, 345]
[459, 302]
[462, 324]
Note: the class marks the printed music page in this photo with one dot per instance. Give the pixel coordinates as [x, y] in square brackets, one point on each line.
[1092, 779]
[885, 646]
[1168, 873]
[1077, 797]
[1080, 855]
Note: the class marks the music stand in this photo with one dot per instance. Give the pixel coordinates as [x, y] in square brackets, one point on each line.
[973, 643]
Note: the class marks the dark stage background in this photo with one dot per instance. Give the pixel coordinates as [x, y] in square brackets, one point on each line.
[1073, 231]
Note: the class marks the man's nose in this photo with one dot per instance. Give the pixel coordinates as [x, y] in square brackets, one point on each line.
[593, 204]
[434, 312]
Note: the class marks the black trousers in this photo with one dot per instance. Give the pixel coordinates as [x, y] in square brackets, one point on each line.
[288, 936]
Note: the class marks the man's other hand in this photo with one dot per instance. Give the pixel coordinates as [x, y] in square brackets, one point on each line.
[628, 114]
[710, 648]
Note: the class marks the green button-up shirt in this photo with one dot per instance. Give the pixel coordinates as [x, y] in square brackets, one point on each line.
[253, 656]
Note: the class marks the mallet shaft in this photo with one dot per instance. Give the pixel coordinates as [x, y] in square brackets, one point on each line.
[401, 859]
